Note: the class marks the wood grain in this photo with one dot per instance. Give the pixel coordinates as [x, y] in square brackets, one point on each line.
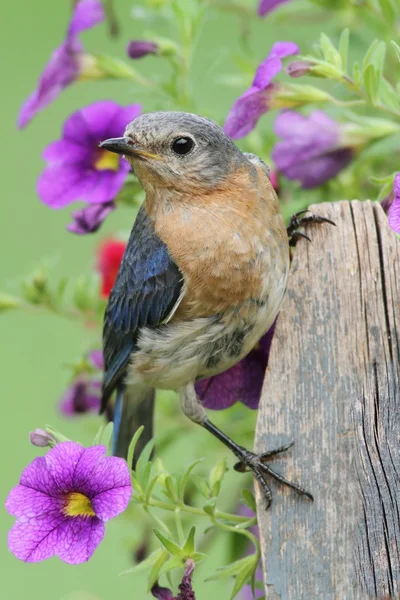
[333, 385]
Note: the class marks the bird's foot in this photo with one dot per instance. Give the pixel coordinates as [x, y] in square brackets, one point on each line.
[257, 464]
[299, 220]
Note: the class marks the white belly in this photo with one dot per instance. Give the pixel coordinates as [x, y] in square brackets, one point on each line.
[178, 353]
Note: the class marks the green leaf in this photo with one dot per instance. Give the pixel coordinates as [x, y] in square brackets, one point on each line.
[201, 485]
[388, 95]
[198, 556]
[170, 488]
[146, 563]
[155, 569]
[385, 191]
[175, 562]
[243, 577]
[141, 466]
[233, 569]
[396, 48]
[368, 54]
[150, 487]
[216, 476]
[132, 445]
[114, 68]
[249, 500]
[99, 435]
[61, 287]
[107, 434]
[189, 545]
[356, 73]
[388, 9]
[330, 54]
[168, 544]
[344, 48]
[185, 478]
[209, 507]
[371, 84]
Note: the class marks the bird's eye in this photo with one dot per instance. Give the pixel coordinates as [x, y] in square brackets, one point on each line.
[182, 145]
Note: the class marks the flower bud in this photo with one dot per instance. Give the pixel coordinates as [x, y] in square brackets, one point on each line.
[8, 302]
[42, 439]
[298, 68]
[140, 48]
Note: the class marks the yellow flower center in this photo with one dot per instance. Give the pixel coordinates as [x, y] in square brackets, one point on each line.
[107, 161]
[78, 505]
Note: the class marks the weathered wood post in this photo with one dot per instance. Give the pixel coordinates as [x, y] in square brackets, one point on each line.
[333, 385]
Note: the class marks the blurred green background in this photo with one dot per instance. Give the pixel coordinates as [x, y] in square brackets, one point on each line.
[34, 348]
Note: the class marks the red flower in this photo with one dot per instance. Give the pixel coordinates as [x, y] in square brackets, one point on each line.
[109, 258]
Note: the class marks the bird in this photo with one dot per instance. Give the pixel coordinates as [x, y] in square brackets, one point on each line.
[202, 278]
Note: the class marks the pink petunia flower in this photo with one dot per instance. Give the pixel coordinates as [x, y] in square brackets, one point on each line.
[63, 501]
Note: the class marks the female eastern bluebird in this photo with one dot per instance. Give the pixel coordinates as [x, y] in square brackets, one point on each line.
[202, 278]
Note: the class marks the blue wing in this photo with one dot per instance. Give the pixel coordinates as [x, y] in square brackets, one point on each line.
[147, 287]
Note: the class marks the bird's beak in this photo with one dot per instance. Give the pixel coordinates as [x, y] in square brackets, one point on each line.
[125, 146]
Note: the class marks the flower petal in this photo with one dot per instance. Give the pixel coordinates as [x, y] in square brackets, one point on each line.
[35, 539]
[109, 487]
[37, 477]
[28, 502]
[87, 14]
[82, 396]
[59, 185]
[394, 210]
[91, 124]
[246, 111]
[61, 70]
[266, 6]
[107, 184]
[96, 358]
[88, 219]
[241, 382]
[125, 115]
[78, 538]
[65, 151]
[61, 462]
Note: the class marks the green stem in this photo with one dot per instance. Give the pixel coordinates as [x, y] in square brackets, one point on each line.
[219, 514]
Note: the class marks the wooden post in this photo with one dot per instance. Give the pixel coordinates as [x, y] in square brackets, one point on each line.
[333, 385]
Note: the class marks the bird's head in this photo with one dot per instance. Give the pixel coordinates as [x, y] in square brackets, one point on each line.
[177, 150]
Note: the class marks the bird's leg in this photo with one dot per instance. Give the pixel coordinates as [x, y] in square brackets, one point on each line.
[300, 219]
[256, 463]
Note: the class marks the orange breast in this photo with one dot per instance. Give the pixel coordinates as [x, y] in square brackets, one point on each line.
[223, 241]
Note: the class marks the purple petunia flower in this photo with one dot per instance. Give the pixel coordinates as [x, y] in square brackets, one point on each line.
[186, 591]
[82, 396]
[310, 150]
[67, 63]
[84, 393]
[63, 501]
[241, 382]
[251, 105]
[79, 170]
[394, 210]
[89, 219]
[140, 48]
[267, 6]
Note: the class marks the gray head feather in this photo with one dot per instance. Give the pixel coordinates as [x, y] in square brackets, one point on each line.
[213, 156]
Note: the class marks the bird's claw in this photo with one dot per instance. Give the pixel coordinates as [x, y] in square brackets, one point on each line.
[257, 464]
[300, 219]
